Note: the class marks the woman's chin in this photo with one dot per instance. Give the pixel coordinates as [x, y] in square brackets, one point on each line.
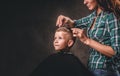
[90, 9]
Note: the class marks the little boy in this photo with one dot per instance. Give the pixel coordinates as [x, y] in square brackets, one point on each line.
[62, 63]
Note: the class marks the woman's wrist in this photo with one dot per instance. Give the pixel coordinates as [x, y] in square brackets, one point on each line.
[71, 23]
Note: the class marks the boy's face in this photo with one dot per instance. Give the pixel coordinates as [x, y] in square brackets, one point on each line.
[60, 40]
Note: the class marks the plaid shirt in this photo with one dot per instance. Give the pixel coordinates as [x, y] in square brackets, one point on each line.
[106, 31]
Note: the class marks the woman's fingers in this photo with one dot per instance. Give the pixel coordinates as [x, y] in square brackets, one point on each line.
[58, 21]
[80, 33]
[76, 32]
[62, 20]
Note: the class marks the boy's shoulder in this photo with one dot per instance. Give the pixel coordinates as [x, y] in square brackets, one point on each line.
[62, 58]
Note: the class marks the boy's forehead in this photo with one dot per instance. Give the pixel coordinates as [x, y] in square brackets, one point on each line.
[62, 32]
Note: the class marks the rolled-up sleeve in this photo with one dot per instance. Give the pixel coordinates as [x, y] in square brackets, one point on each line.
[83, 22]
[114, 30]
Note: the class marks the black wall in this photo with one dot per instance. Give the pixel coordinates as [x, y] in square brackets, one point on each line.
[27, 29]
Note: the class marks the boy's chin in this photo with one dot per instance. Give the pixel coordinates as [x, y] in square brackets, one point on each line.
[58, 50]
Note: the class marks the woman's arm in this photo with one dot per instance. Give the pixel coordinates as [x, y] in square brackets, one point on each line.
[104, 49]
[64, 20]
[81, 23]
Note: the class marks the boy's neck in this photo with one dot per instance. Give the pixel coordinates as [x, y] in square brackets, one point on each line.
[65, 51]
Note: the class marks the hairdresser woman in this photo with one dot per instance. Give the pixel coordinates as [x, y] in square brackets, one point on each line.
[102, 36]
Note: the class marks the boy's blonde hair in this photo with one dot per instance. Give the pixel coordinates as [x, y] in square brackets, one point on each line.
[68, 31]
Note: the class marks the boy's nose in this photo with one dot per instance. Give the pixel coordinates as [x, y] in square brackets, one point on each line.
[56, 41]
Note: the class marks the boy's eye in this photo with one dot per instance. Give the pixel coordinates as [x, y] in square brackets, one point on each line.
[57, 38]
[60, 37]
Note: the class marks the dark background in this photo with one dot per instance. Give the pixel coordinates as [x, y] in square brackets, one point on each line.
[27, 30]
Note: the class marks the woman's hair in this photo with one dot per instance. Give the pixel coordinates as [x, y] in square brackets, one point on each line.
[111, 6]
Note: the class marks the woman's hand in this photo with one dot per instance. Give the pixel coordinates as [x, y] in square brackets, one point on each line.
[63, 20]
[104, 49]
[81, 34]
[117, 2]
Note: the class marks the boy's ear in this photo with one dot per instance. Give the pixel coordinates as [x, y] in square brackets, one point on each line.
[70, 43]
